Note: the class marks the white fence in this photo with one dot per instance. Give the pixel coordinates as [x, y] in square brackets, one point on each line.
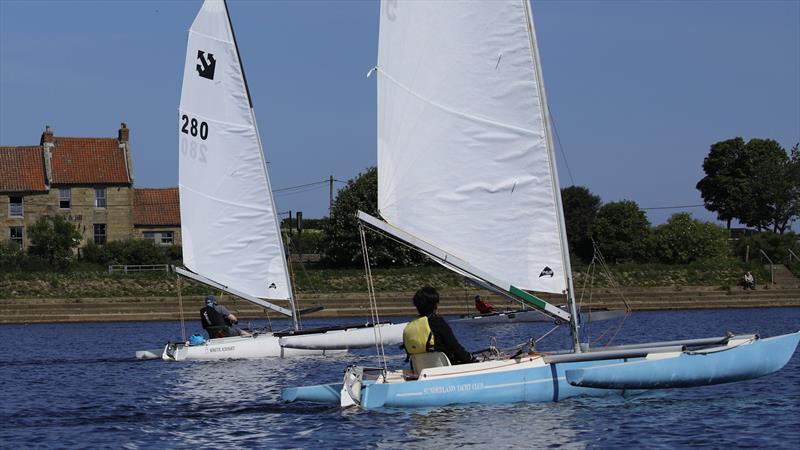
[131, 268]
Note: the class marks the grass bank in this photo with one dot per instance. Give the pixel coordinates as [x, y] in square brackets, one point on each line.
[90, 281]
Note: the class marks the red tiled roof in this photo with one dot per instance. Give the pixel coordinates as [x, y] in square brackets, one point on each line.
[22, 169]
[156, 207]
[88, 161]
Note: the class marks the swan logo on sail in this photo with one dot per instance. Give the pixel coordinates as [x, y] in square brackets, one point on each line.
[207, 65]
[546, 272]
[272, 286]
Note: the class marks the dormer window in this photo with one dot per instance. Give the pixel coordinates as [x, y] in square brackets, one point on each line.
[100, 197]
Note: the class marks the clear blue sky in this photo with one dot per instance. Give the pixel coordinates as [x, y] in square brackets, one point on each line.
[638, 90]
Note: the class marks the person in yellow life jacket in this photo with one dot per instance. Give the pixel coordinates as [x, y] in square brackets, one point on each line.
[430, 332]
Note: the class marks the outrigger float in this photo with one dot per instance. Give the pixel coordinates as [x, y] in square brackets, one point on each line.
[467, 176]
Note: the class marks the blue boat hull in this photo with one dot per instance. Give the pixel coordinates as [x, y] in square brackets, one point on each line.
[690, 369]
[549, 382]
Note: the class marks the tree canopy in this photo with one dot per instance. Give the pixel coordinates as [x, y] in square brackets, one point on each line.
[683, 239]
[53, 238]
[580, 211]
[621, 230]
[342, 244]
[756, 182]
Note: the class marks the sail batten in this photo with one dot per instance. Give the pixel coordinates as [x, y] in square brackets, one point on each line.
[228, 218]
[463, 158]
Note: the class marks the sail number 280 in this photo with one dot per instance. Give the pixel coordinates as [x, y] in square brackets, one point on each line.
[193, 127]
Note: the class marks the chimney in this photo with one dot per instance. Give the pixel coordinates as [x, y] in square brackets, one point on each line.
[47, 136]
[123, 136]
[124, 132]
[48, 142]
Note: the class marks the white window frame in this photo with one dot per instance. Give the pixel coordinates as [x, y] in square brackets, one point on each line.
[167, 238]
[63, 198]
[98, 198]
[11, 204]
[21, 238]
[104, 235]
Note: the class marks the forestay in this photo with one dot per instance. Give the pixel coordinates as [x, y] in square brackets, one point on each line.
[228, 222]
[462, 153]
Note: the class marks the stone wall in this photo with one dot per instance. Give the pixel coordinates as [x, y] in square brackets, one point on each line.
[117, 215]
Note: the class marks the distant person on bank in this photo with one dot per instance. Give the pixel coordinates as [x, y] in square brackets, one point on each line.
[221, 321]
[430, 332]
[749, 281]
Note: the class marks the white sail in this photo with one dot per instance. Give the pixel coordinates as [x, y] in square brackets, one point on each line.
[463, 160]
[228, 220]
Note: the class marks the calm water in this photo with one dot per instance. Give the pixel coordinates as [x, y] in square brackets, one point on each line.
[79, 386]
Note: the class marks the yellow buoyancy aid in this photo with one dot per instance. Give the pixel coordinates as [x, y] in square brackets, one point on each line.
[418, 337]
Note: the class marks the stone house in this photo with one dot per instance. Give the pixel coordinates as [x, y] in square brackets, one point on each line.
[157, 215]
[89, 181]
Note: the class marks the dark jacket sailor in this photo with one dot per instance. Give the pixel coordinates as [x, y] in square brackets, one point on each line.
[430, 332]
[218, 321]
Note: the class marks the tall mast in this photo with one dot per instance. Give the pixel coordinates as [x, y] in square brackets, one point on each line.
[295, 323]
[574, 313]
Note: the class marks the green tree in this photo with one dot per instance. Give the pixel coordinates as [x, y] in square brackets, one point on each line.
[342, 244]
[773, 201]
[621, 230]
[756, 183]
[727, 179]
[580, 211]
[53, 238]
[683, 239]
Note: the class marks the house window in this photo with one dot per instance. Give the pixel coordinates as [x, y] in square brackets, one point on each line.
[64, 198]
[159, 237]
[15, 233]
[99, 233]
[15, 206]
[100, 197]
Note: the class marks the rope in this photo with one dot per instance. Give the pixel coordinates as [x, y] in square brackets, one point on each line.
[601, 262]
[373, 302]
[180, 308]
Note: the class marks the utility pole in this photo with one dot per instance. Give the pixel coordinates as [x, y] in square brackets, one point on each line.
[330, 195]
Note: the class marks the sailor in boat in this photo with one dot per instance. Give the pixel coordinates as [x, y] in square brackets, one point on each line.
[430, 333]
[218, 321]
[483, 307]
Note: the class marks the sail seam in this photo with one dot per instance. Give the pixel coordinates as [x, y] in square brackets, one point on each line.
[210, 37]
[216, 121]
[455, 112]
[183, 186]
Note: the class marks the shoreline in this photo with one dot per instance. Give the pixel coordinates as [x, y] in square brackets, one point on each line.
[390, 304]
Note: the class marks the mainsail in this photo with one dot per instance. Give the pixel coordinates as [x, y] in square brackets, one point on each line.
[229, 224]
[463, 157]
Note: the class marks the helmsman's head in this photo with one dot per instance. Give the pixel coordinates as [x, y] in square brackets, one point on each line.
[426, 300]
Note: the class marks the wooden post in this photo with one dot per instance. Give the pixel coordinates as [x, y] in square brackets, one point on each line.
[330, 195]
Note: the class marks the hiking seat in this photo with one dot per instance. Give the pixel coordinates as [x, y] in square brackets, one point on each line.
[421, 361]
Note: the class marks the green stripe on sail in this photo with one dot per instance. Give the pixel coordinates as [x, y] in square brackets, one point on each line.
[529, 298]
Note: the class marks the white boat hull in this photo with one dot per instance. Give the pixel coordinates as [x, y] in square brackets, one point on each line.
[238, 347]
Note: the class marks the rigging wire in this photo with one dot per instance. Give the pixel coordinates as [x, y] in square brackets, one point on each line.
[561, 147]
[372, 300]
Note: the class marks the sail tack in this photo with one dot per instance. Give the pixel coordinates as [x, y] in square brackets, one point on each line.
[463, 160]
[228, 222]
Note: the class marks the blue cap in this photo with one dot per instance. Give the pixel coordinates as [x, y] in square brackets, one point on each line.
[211, 300]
